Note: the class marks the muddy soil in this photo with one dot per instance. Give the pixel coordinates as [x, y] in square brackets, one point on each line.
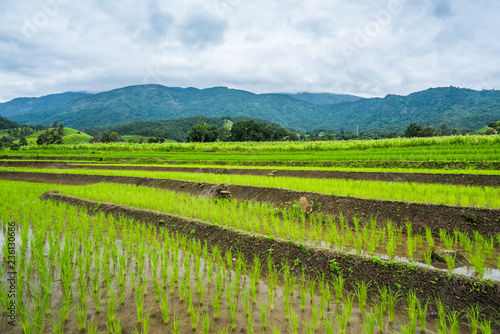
[483, 165]
[455, 179]
[455, 291]
[465, 219]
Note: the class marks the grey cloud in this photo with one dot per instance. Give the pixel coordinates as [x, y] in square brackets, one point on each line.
[202, 29]
[319, 27]
[159, 22]
[443, 9]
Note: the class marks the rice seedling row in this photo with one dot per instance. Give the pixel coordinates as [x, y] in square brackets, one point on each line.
[466, 196]
[399, 275]
[492, 180]
[110, 274]
[421, 215]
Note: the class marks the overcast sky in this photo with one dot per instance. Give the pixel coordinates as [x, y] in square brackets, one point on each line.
[339, 46]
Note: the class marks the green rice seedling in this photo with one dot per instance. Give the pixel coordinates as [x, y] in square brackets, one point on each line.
[477, 260]
[206, 323]
[392, 300]
[294, 326]
[145, 323]
[194, 315]
[263, 313]
[411, 311]
[450, 262]
[311, 287]
[81, 316]
[362, 291]
[164, 308]
[338, 285]
[422, 314]
[383, 296]
[408, 230]
[428, 258]
[441, 322]
[303, 295]
[446, 239]
[216, 303]
[419, 241]
[347, 308]
[368, 323]
[390, 246]
[341, 320]
[410, 248]
[116, 326]
[473, 313]
[399, 231]
[358, 243]
[96, 297]
[249, 324]
[454, 321]
[378, 308]
[315, 313]
[58, 323]
[328, 326]
[111, 312]
[486, 327]
[246, 301]
[233, 307]
[92, 327]
[177, 325]
[139, 297]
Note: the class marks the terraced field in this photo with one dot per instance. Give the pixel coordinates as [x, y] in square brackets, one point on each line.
[131, 247]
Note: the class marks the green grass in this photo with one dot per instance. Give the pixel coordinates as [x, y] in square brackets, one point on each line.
[71, 137]
[447, 149]
[466, 196]
[338, 169]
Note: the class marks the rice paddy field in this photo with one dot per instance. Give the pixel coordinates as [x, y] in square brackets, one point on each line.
[128, 245]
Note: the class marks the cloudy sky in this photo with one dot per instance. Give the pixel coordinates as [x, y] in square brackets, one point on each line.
[341, 46]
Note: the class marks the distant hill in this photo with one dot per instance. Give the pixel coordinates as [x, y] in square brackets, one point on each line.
[324, 98]
[71, 136]
[175, 129]
[457, 108]
[28, 105]
[5, 123]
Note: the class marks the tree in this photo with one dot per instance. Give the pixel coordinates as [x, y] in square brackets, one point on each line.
[293, 136]
[202, 133]
[52, 135]
[224, 134]
[254, 131]
[413, 130]
[112, 137]
[23, 141]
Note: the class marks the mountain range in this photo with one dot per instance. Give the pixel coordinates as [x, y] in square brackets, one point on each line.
[457, 108]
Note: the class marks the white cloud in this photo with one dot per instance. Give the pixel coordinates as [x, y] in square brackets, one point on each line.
[392, 46]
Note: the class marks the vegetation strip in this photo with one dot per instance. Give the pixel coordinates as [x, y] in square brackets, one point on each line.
[445, 165]
[455, 291]
[455, 179]
[435, 217]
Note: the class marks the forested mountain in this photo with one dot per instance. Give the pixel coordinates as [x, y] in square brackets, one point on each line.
[175, 129]
[325, 98]
[455, 107]
[8, 124]
[26, 105]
